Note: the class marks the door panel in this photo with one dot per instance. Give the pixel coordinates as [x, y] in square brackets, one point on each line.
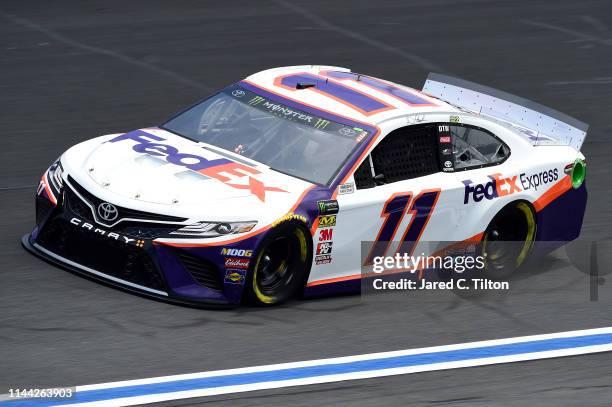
[421, 209]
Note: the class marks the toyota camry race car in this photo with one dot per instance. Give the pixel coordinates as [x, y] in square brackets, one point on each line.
[266, 189]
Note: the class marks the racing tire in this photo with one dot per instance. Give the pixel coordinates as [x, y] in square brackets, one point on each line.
[508, 240]
[281, 265]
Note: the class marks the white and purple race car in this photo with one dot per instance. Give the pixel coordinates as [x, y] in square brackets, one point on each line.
[266, 189]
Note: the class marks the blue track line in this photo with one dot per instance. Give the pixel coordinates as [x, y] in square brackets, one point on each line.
[324, 370]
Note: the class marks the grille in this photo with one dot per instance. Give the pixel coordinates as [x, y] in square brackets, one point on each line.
[143, 231]
[202, 271]
[100, 253]
[76, 205]
[137, 230]
[123, 212]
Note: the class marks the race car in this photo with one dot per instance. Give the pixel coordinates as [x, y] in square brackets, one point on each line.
[266, 189]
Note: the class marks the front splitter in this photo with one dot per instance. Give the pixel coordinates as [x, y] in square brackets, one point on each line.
[76, 268]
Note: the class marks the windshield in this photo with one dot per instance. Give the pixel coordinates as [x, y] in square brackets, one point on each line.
[285, 139]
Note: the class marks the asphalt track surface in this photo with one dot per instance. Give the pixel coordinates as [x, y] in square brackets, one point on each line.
[74, 70]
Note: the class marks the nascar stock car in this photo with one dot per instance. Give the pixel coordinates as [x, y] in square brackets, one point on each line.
[266, 189]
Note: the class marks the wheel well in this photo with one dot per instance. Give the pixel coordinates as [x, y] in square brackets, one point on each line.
[296, 222]
[515, 222]
[515, 204]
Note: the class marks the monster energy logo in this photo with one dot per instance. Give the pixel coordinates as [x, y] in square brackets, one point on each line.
[321, 124]
[328, 207]
[256, 100]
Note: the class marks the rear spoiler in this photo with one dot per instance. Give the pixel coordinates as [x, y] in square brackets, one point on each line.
[539, 124]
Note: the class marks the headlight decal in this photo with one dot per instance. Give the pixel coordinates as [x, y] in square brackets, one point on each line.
[214, 229]
[52, 182]
[43, 187]
[54, 176]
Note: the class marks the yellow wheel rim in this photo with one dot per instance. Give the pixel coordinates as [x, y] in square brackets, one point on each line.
[270, 299]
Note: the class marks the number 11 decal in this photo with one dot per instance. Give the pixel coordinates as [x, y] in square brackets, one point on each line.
[421, 208]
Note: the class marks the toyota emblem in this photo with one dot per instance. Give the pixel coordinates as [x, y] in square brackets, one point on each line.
[107, 211]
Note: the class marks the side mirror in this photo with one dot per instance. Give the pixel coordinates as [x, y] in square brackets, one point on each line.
[379, 179]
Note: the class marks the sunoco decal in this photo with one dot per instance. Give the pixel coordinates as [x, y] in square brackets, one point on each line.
[235, 277]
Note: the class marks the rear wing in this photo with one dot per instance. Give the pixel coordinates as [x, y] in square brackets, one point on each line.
[541, 125]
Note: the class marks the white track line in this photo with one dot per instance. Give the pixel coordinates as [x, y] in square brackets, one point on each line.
[365, 366]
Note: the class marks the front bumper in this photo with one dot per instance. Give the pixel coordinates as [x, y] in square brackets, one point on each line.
[39, 251]
[130, 258]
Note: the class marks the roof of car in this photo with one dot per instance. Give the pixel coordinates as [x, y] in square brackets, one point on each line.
[340, 91]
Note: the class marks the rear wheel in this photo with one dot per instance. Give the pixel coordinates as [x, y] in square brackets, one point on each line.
[508, 239]
[281, 264]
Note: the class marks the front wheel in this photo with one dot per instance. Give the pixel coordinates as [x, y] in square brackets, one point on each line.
[281, 264]
[508, 239]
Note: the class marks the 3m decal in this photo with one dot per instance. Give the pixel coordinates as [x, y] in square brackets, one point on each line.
[227, 251]
[326, 235]
[394, 210]
[327, 221]
[221, 169]
[364, 103]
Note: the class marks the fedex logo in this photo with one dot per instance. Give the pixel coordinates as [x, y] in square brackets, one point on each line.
[148, 143]
[221, 169]
[495, 188]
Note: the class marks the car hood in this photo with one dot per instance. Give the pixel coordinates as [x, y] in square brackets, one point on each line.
[153, 169]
